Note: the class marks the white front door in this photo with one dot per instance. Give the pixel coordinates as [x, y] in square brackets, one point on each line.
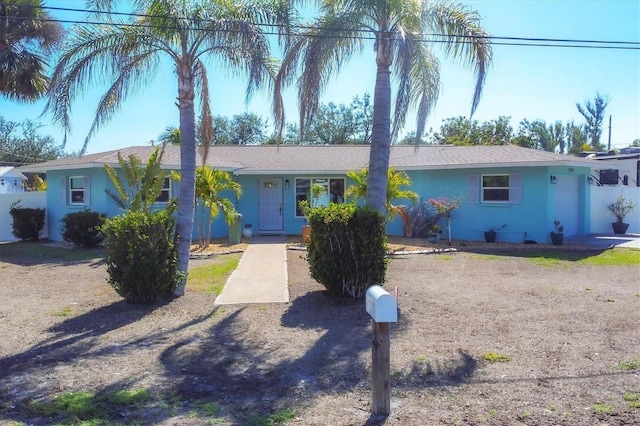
[270, 204]
[567, 203]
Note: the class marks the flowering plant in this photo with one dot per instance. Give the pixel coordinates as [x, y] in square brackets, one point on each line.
[620, 208]
[443, 205]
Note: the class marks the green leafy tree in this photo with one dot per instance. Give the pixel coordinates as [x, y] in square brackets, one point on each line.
[28, 35]
[576, 138]
[241, 129]
[635, 143]
[593, 113]
[20, 144]
[335, 124]
[397, 27]
[397, 179]
[211, 184]
[125, 56]
[142, 185]
[556, 130]
[459, 131]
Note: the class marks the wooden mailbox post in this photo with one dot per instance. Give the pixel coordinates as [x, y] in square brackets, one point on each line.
[383, 308]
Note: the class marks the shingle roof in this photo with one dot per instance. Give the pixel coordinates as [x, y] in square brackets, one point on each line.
[270, 159]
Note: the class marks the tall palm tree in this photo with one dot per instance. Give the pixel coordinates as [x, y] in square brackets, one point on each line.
[27, 36]
[126, 56]
[401, 32]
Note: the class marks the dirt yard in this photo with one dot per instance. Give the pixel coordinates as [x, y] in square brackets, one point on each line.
[567, 334]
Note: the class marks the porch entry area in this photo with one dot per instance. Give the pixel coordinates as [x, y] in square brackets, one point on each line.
[567, 201]
[270, 218]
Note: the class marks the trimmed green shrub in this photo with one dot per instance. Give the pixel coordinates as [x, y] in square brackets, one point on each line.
[27, 222]
[83, 228]
[346, 250]
[141, 255]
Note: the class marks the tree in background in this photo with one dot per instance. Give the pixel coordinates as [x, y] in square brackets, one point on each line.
[336, 124]
[458, 131]
[170, 136]
[21, 144]
[125, 55]
[593, 113]
[27, 37]
[397, 27]
[464, 131]
[242, 129]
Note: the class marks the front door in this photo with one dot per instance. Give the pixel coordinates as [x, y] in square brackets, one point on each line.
[270, 205]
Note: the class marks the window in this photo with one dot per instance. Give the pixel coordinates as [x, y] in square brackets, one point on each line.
[76, 190]
[165, 195]
[334, 187]
[495, 188]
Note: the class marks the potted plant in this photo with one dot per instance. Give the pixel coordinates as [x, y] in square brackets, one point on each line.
[620, 208]
[557, 237]
[433, 233]
[491, 233]
[317, 191]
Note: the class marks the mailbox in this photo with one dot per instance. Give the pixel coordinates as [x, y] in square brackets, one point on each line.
[381, 305]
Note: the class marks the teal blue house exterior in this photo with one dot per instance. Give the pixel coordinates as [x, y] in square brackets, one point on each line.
[522, 188]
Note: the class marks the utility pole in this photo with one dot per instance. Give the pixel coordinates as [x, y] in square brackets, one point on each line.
[609, 148]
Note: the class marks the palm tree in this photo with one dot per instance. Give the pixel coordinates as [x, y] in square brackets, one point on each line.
[27, 36]
[170, 136]
[396, 178]
[400, 31]
[210, 185]
[126, 55]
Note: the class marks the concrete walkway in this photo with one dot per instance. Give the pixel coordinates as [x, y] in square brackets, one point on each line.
[261, 275]
[606, 240]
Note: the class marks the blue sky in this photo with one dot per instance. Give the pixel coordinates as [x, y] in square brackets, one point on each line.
[524, 82]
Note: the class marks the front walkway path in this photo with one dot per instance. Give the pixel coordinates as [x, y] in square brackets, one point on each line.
[261, 275]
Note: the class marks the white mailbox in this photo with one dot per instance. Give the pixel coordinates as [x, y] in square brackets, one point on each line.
[381, 305]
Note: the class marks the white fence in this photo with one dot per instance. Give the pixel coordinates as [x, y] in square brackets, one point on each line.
[27, 199]
[602, 196]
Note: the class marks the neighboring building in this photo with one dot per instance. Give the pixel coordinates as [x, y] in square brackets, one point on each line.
[625, 172]
[525, 189]
[11, 180]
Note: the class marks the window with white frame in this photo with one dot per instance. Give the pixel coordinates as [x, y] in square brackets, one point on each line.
[77, 190]
[495, 188]
[165, 195]
[334, 191]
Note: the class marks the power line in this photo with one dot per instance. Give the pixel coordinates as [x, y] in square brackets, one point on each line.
[506, 41]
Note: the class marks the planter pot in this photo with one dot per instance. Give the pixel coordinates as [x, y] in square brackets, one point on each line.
[433, 238]
[557, 239]
[247, 233]
[619, 227]
[490, 236]
[306, 233]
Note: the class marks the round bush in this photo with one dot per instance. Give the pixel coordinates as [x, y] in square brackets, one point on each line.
[141, 256]
[346, 250]
[83, 228]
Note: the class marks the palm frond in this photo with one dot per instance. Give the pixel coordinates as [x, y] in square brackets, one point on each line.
[458, 27]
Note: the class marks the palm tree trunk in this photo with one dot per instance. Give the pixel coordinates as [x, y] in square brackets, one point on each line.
[380, 140]
[187, 196]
